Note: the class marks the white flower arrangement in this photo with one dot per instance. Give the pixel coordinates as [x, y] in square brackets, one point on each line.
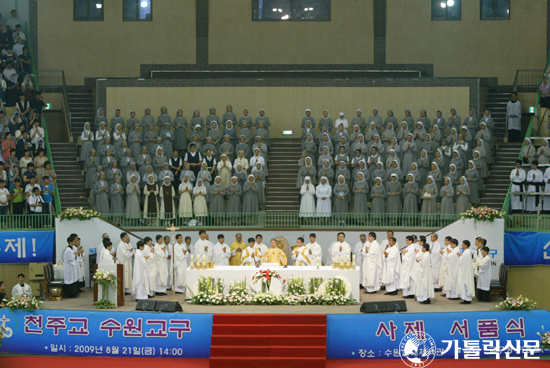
[519, 303]
[81, 214]
[25, 302]
[482, 214]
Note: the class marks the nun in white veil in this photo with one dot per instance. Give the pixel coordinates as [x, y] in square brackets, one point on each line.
[307, 202]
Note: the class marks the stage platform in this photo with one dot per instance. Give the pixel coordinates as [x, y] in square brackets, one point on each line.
[438, 304]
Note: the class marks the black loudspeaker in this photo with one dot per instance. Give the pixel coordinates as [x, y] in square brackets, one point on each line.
[396, 306]
[373, 307]
[168, 307]
[145, 305]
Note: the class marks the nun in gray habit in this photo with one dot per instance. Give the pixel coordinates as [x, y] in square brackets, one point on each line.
[360, 194]
[91, 164]
[447, 194]
[164, 117]
[229, 115]
[463, 196]
[167, 139]
[429, 197]
[378, 197]
[180, 126]
[410, 189]
[234, 192]
[217, 197]
[101, 195]
[251, 200]
[393, 190]
[212, 117]
[341, 193]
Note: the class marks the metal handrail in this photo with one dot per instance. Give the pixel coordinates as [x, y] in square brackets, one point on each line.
[55, 79]
[57, 199]
[527, 77]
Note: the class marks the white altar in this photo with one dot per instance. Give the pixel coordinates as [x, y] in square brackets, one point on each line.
[112, 293]
[238, 273]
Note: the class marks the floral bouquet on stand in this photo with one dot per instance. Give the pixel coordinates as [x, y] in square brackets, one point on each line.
[544, 339]
[296, 286]
[208, 291]
[482, 214]
[265, 277]
[519, 303]
[107, 280]
[238, 294]
[25, 302]
[314, 283]
[81, 214]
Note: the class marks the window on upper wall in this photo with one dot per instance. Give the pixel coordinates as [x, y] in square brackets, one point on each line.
[446, 10]
[494, 10]
[88, 10]
[291, 10]
[137, 10]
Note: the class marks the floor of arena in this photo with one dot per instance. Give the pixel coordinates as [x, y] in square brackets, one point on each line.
[438, 304]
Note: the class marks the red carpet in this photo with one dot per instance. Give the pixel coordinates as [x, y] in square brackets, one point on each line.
[111, 362]
[276, 340]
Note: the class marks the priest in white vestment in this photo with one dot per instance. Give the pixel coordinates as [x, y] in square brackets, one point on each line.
[222, 252]
[125, 253]
[100, 247]
[314, 249]
[408, 269]
[149, 250]
[140, 280]
[259, 245]
[424, 285]
[106, 256]
[384, 244]
[482, 267]
[169, 252]
[435, 248]
[358, 252]
[513, 111]
[250, 254]
[465, 277]
[203, 247]
[443, 267]
[392, 267]
[160, 256]
[180, 256]
[21, 288]
[451, 286]
[340, 249]
[70, 269]
[372, 265]
[517, 177]
[300, 254]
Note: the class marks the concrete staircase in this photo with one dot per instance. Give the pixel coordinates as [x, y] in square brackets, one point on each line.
[70, 180]
[281, 192]
[496, 103]
[498, 180]
[81, 105]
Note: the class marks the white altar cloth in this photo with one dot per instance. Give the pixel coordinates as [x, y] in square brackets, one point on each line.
[239, 273]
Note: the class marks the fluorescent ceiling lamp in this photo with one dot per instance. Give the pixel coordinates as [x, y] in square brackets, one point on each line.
[443, 5]
[274, 9]
[285, 17]
[144, 4]
[305, 9]
[280, 10]
[310, 9]
[288, 132]
[99, 6]
[450, 3]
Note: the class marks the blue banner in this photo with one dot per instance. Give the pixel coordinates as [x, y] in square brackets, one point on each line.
[26, 246]
[378, 336]
[526, 249]
[123, 334]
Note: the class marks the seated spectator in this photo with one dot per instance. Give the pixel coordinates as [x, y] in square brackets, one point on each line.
[25, 61]
[21, 288]
[37, 103]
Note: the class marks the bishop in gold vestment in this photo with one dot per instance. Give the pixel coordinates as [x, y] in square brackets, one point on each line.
[275, 255]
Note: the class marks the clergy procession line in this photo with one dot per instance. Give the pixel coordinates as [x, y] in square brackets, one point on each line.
[418, 269]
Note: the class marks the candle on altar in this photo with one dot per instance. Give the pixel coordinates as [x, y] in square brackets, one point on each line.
[318, 261]
[203, 257]
[341, 258]
[191, 259]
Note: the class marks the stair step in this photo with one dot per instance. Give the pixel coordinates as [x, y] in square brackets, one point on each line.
[272, 362]
[268, 351]
[271, 340]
